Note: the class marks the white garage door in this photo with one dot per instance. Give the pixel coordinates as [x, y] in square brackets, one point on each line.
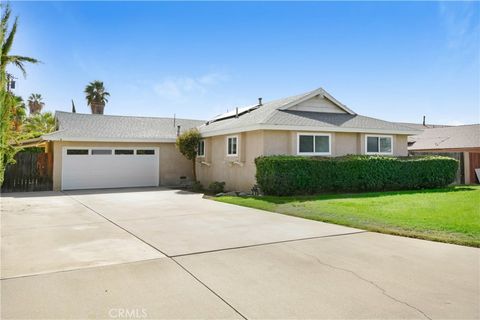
[90, 168]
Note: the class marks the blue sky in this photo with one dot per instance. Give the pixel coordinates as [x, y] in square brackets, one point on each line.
[396, 61]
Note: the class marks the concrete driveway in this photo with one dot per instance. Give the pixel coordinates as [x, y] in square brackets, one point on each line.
[161, 253]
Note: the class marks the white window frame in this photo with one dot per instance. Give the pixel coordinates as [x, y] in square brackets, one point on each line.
[329, 153]
[378, 136]
[204, 149]
[238, 145]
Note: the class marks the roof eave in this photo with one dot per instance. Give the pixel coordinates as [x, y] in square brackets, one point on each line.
[35, 142]
[90, 139]
[307, 128]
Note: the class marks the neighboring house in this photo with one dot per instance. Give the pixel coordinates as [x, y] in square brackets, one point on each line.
[101, 151]
[461, 142]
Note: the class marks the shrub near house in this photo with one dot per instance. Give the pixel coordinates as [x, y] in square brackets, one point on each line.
[290, 175]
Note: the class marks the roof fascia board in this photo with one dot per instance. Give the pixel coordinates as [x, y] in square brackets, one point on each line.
[164, 140]
[307, 128]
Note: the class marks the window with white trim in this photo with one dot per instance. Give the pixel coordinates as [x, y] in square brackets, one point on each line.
[378, 144]
[232, 146]
[201, 148]
[313, 144]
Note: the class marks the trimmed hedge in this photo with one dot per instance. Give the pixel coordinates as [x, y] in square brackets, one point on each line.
[293, 175]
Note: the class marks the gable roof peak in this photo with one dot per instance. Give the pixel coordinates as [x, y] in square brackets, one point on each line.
[318, 92]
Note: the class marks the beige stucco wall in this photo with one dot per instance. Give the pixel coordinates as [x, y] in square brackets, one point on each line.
[172, 163]
[239, 172]
[278, 142]
[344, 143]
[400, 146]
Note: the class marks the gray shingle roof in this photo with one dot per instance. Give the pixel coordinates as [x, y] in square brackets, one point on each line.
[457, 137]
[93, 127]
[270, 114]
[421, 126]
[341, 120]
[256, 116]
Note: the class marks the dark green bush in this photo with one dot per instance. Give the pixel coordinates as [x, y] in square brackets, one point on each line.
[216, 187]
[196, 186]
[290, 175]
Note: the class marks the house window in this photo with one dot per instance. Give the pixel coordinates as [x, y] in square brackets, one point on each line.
[378, 144]
[123, 151]
[101, 152]
[201, 148]
[145, 152]
[313, 144]
[77, 152]
[232, 146]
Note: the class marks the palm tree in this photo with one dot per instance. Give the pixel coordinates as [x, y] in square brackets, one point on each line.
[6, 40]
[96, 96]
[35, 103]
[18, 113]
[7, 133]
[38, 124]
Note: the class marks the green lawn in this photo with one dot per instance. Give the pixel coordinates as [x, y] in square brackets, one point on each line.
[448, 215]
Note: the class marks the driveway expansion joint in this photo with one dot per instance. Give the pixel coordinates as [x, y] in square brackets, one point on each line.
[78, 269]
[166, 255]
[208, 288]
[116, 224]
[266, 244]
[374, 284]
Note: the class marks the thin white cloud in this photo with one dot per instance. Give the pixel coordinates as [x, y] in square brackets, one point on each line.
[181, 88]
[460, 24]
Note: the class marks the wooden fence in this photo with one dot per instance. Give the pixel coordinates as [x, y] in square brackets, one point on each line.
[30, 172]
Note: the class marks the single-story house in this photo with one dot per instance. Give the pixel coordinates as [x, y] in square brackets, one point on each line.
[461, 142]
[102, 151]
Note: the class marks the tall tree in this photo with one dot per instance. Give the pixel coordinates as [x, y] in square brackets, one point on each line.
[7, 38]
[96, 96]
[187, 144]
[7, 100]
[35, 103]
[38, 124]
[18, 113]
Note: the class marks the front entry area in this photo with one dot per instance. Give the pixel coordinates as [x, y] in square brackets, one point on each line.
[104, 167]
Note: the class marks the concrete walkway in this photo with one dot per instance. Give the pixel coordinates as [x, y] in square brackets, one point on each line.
[160, 253]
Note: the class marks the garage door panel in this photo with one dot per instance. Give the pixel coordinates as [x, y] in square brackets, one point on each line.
[109, 171]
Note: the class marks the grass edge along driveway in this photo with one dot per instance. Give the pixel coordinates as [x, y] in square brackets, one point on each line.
[449, 215]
